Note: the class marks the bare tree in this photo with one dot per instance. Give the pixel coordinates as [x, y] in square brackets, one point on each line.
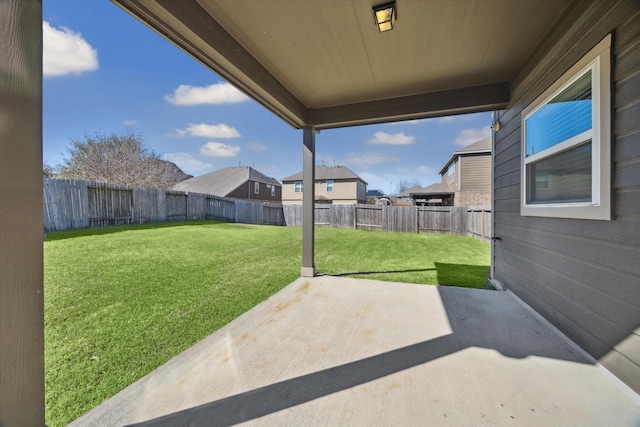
[49, 171]
[119, 158]
[405, 183]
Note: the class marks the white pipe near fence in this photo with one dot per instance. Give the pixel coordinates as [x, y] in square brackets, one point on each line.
[72, 204]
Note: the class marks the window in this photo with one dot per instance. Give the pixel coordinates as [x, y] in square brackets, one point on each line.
[330, 186]
[273, 190]
[566, 149]
[298, 186]
[256, 188]
[451, 172]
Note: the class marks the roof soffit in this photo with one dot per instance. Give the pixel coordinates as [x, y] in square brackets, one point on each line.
[328, 66]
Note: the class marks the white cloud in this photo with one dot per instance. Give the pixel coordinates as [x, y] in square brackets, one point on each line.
[426, 170]
[469, 136]
[391, 139]
[209, 131]
[66, 52]
[254, 146]
[370, 159]
[218, 149]
[219, 93]
[130, 123]
[187, 162]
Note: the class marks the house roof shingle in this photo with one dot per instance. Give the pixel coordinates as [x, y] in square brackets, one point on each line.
[223, 181]
[437, 188]
[327, 172]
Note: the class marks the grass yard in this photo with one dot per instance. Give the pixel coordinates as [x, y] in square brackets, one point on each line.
[121, 301]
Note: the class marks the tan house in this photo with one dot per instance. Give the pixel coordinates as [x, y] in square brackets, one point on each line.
[466, 180]
[467, 173]
[334, 184]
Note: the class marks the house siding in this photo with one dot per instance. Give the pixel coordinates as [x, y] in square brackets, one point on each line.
[345, 192]
[582, 275]
[475, 172]
[474, 182]
[247, 191]
[240, 192]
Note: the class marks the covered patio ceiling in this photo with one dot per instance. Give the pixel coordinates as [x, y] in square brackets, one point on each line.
[324, 64]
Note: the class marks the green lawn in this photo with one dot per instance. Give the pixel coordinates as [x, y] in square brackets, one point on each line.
[121, 301]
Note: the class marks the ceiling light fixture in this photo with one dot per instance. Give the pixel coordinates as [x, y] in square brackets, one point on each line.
[384, 16]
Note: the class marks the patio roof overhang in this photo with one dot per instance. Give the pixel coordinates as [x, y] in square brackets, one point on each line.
[322, 65]
[327, 65]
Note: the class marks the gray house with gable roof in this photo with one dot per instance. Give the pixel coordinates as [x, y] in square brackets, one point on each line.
[241, 182]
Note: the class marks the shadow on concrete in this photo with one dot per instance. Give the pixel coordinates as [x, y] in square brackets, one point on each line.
[479, 324]
[468, 276]
[366, 273]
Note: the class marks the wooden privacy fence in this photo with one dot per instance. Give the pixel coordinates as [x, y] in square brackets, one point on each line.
[472, 221]
[72, 204]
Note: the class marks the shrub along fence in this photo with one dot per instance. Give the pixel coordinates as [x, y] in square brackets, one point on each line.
[71, 204]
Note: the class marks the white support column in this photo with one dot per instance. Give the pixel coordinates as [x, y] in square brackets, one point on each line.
[308, 201]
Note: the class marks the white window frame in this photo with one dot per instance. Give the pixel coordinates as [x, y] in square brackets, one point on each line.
[273, 190]
[451, 173]
[256, 188]
[297, 186]
[598, 60]
[330, 186]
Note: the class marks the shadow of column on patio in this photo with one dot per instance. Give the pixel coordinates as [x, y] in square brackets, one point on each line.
[480, 325]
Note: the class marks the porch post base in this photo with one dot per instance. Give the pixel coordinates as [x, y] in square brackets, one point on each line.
[308, 271]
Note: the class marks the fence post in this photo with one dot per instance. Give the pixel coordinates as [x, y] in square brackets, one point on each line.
[355, 217]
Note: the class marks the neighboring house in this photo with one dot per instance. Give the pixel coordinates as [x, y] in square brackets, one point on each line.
[404, 198]
[334, 184]
[241, 182]
[377, 197]
[439, 194]
[466, 179]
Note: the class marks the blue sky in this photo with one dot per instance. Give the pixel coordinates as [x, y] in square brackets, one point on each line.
[104, 71]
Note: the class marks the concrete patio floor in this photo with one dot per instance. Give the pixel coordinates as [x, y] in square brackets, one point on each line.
[334, 351]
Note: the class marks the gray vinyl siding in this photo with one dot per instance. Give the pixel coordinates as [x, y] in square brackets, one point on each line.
[582, 275]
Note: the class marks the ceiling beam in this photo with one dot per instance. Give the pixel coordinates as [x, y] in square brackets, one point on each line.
[474, 99]
[195, 31]
[190, 27]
